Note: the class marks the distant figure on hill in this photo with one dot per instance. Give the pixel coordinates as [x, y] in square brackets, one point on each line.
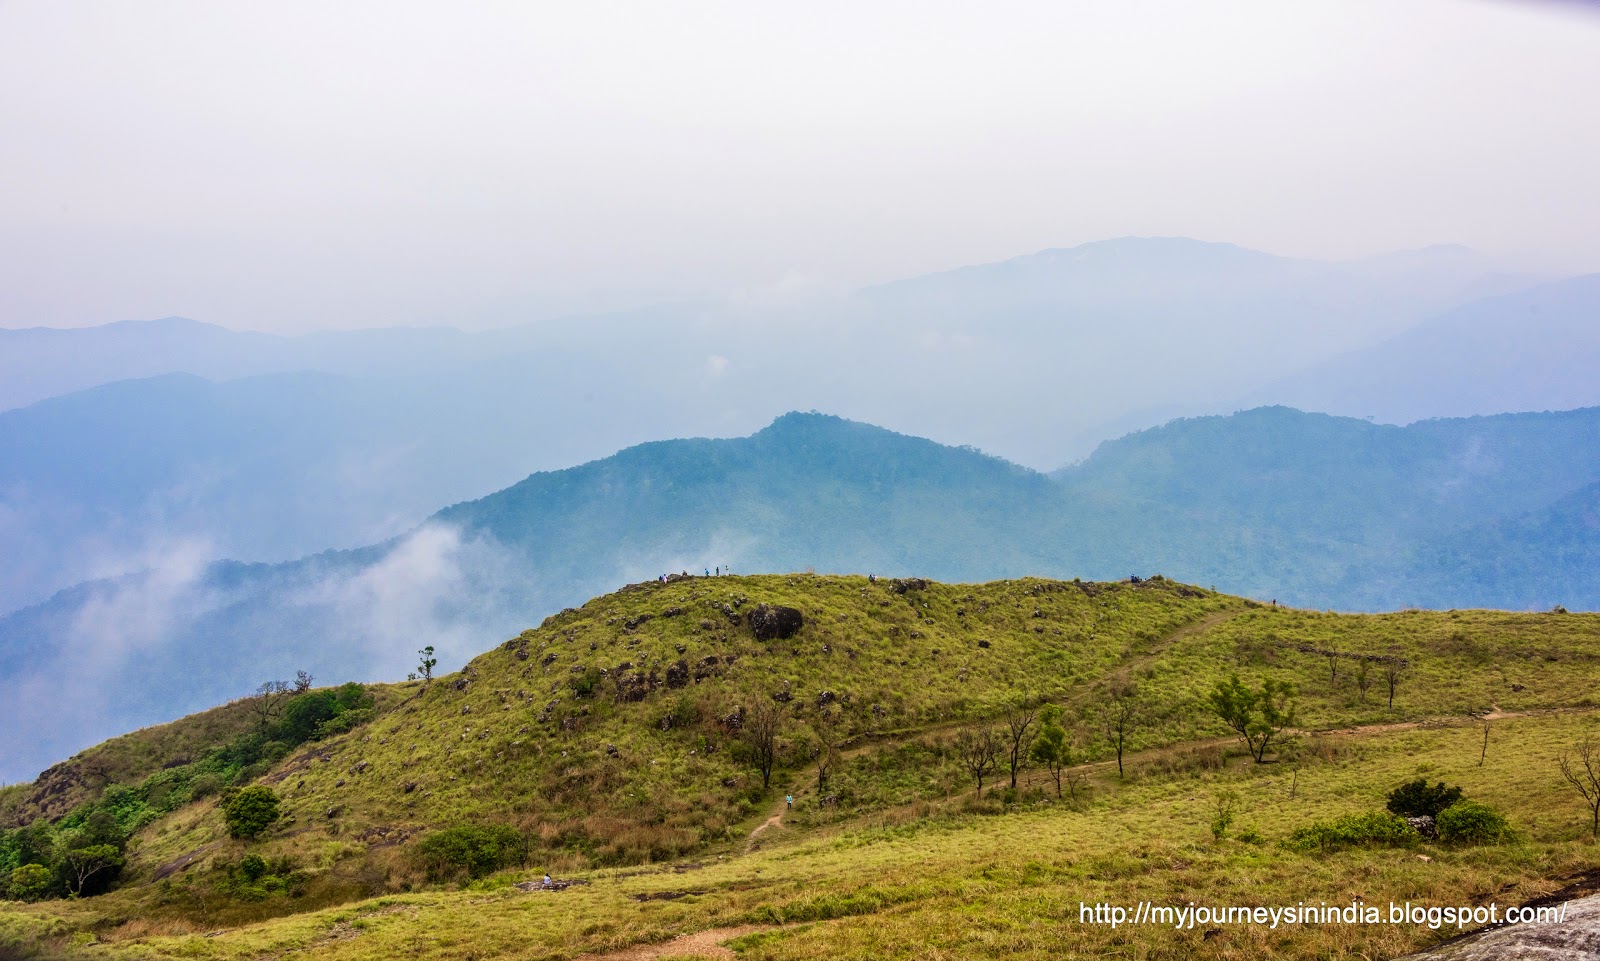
[788, 802]
[708, 572]
[547, 879]
[872, 578]
[719, 572]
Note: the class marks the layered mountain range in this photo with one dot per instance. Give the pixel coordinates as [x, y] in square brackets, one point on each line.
[1301, 508]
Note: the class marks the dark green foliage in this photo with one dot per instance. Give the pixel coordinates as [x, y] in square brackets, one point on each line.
[310, 716]
[255, 878]
[82, 854]
[584, 685]
[476, 850]
[33, 844]
[1416, 799]
[1367, 829]
[252, 867]
[94, 865]
[1469, 822]
[250, 811]
[122, 809]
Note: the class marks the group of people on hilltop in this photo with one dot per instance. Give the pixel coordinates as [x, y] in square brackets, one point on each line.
[720, 570]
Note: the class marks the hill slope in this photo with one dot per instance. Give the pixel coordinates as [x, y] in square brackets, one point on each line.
[645, 762]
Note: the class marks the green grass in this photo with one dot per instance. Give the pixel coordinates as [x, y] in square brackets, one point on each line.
[909, 862]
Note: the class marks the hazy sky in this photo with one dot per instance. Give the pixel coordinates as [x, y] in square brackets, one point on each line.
[290, 166]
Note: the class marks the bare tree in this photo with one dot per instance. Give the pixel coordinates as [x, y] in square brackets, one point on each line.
[760, 734]
[1075, 778]
[1583, 773]
[980, 751]
[302, 682]
[827, 754]
[1120, 712]
[1363, 678]
[1485, 752]
[1333, 668]
[1393, 669]
[268, 702]
[1019, 720]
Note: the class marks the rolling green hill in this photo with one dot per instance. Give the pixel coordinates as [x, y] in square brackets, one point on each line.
[613, 737]
[1307, 509]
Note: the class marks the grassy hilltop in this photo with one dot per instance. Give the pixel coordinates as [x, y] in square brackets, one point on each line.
[610, 745]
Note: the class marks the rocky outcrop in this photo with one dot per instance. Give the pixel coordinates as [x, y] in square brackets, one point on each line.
[775, 622]
[1575, 937]
[678, 674]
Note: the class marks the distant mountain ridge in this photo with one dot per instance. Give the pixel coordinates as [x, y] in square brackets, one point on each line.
[288, 445]
[1308, 509]
[1535, 349]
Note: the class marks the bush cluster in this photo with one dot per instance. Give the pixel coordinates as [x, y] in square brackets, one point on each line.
[1416, 799]
[50, 852]
[1366, 829]
[471, 849]
[1468, 822]
[1458, 820]
[80, 856]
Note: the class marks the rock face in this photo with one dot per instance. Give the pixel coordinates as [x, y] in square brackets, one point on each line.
[1576, 938]
[775, 622]
[900, 585]
[678, 674]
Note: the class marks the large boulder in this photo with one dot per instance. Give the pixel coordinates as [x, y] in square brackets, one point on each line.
[1575, 937]
[775, 622]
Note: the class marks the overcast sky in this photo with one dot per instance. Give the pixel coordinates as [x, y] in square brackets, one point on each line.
[292, 166]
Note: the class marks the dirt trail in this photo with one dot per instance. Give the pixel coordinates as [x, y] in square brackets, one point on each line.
[772, 822]
[701, 944]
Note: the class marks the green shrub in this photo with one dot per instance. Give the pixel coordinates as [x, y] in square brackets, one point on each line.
[1367, 829]
[204, 786]
[1469, 822]
[585, 684]
[30, 882]
[1416, 799]
[344, 721]
[250, 811]
[252, 867]
[475, 849]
